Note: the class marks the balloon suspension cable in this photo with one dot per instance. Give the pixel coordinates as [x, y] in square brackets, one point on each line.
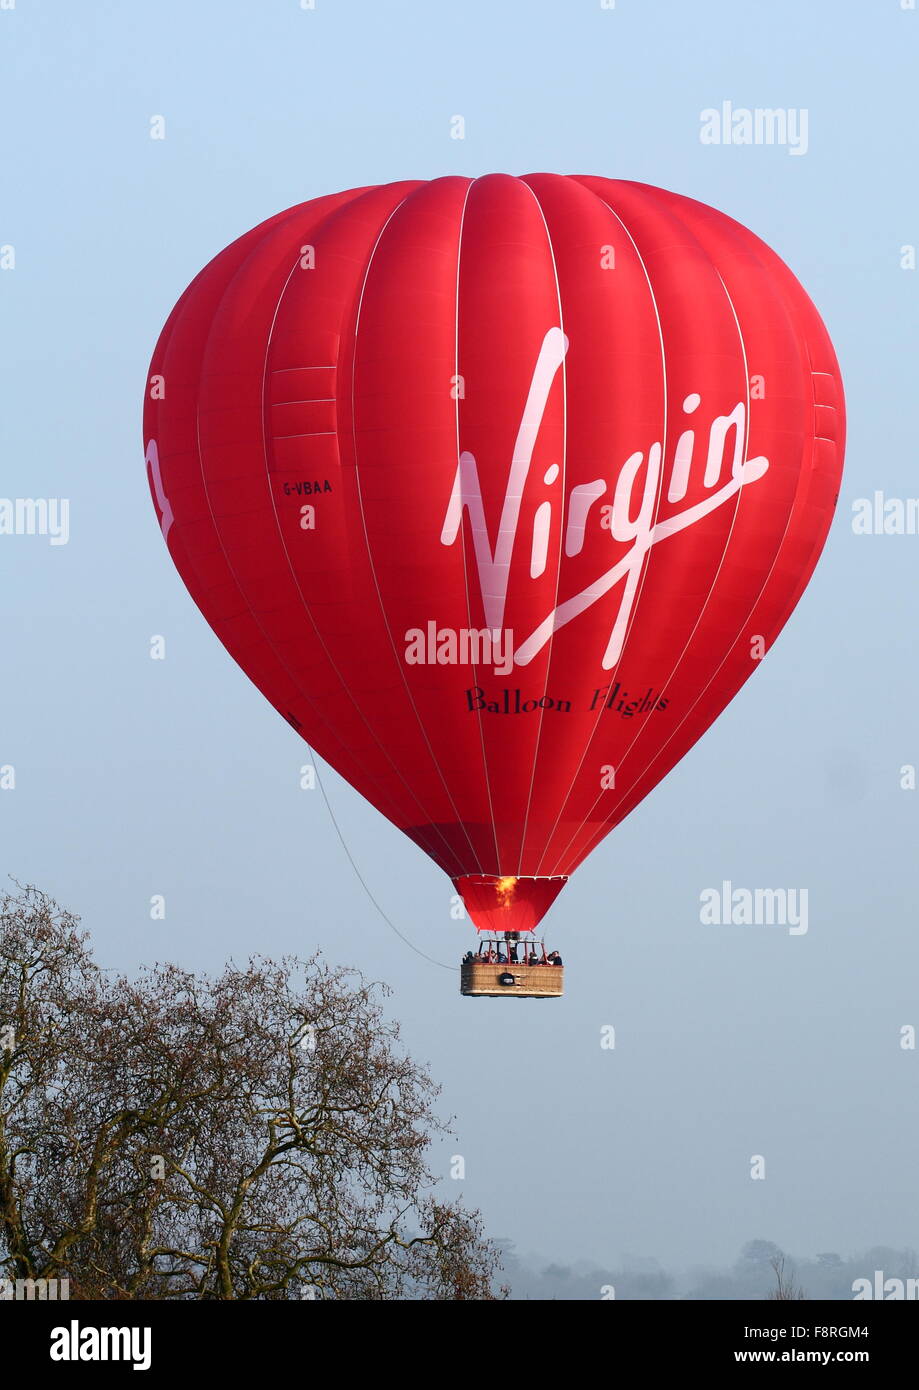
[360, 877]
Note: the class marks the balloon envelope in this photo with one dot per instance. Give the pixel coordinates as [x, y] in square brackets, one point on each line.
[498, 489]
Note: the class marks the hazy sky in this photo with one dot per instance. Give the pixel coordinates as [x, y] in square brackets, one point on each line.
[137, 777]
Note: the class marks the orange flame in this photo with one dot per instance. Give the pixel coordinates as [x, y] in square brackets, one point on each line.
[505, 889]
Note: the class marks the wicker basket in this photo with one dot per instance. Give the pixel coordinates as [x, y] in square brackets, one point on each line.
[481, 980]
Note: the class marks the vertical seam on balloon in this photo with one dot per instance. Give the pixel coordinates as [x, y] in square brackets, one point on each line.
[413, 795]
[647, 559]
[753, 606]
[204, 483]
[558, 566]
[360, 498]
[620, 799]
[163, 345]
[290, 565]
[686, 645]
[463, 517]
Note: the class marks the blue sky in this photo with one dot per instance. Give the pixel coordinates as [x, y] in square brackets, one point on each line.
[137, 777]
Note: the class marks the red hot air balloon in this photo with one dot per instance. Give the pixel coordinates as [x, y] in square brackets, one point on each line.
[498, 489]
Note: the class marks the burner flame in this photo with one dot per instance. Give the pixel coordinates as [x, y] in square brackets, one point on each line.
[505, 889]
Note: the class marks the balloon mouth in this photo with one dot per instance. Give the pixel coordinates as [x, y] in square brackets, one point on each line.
[508, 902]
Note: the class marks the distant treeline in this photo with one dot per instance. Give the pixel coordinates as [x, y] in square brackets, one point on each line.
[753, 1276]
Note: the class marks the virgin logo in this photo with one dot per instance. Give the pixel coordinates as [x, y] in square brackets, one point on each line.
[494, 563]
[152, 460]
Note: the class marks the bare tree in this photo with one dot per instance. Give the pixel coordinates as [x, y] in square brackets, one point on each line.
[259, 1135]
[786, 1287]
